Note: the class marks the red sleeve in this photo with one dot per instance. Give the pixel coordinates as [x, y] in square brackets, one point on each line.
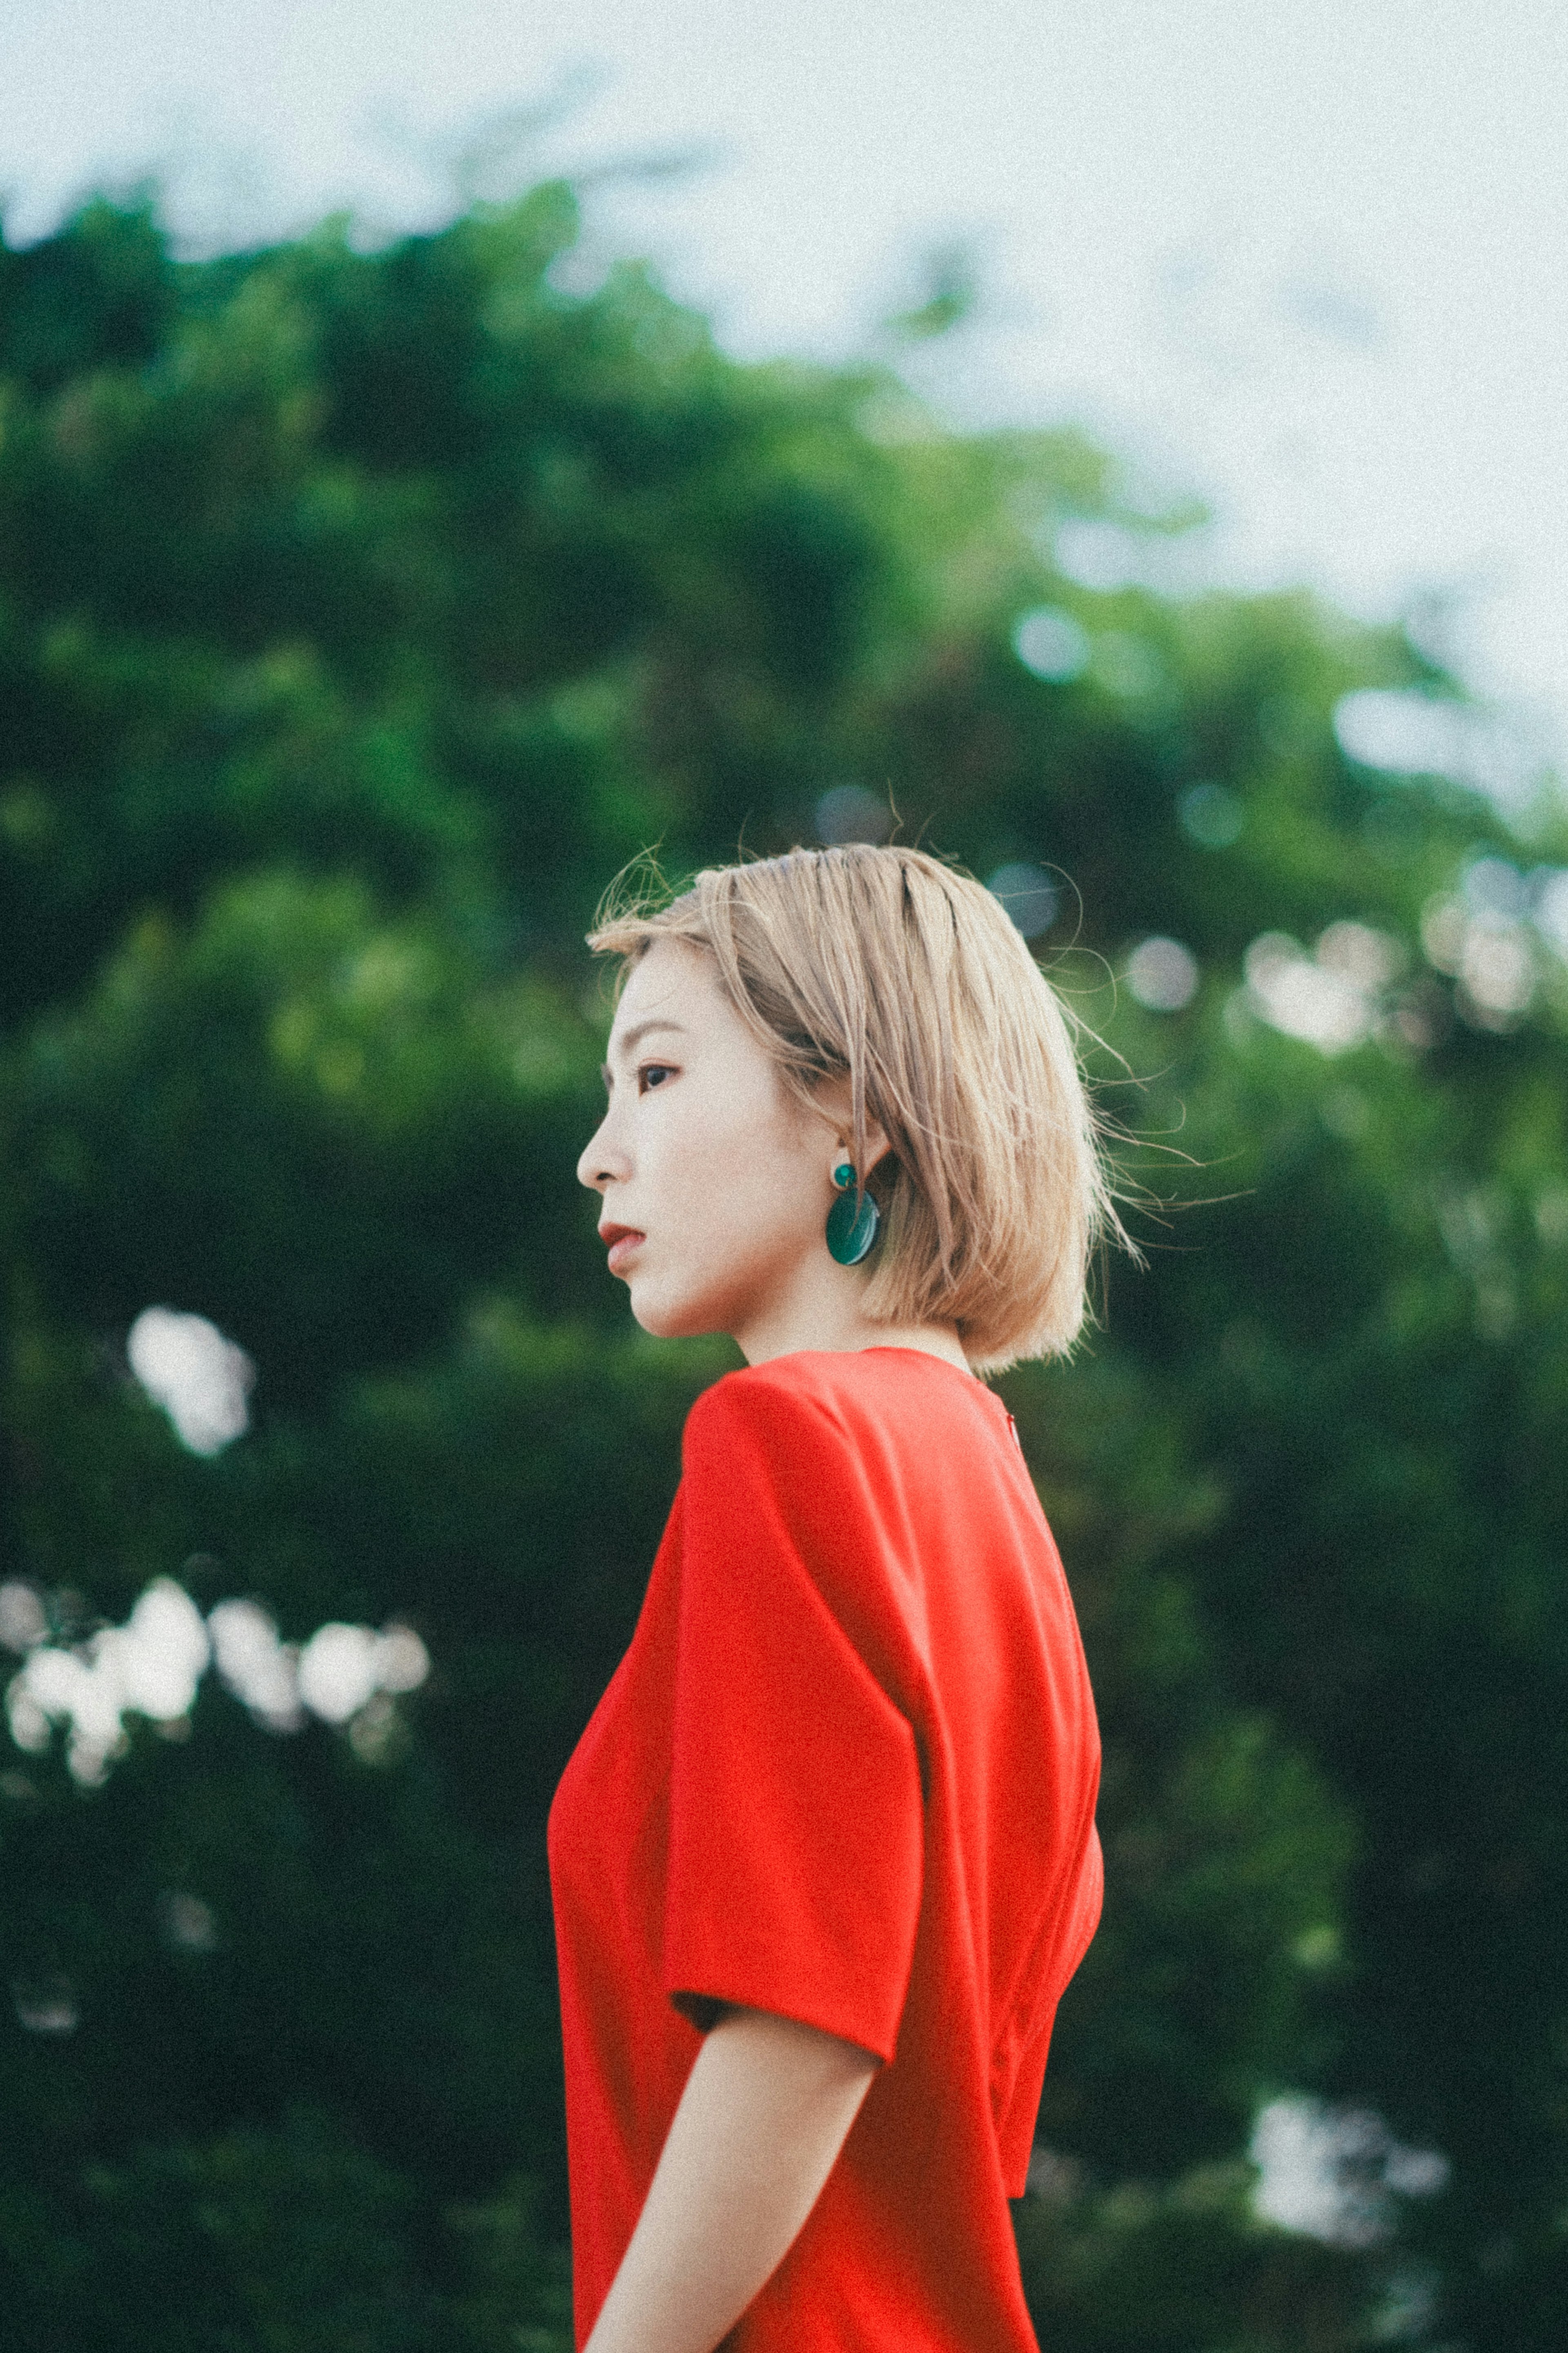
[796, 1810]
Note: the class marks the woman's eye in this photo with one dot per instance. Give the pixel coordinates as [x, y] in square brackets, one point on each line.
[647, 1072]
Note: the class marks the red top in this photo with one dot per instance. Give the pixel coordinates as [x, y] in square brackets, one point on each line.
[847, 1773]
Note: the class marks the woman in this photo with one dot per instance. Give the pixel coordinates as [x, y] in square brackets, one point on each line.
[824, 1857]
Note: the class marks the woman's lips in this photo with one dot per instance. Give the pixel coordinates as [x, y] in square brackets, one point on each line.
[621, 1250]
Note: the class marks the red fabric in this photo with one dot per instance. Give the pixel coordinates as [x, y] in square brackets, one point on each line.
[846, 1772]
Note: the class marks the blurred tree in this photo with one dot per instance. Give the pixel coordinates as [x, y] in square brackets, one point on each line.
[360, 614]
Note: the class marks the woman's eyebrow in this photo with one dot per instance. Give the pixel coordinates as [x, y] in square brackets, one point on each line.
[640, 1030]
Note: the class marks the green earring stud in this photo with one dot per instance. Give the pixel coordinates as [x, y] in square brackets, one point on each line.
[850, 1230]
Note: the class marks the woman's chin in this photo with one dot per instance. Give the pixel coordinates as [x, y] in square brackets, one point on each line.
[666, 1319]
[653, 1313]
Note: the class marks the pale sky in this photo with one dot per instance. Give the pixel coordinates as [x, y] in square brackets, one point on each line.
[1310, 262]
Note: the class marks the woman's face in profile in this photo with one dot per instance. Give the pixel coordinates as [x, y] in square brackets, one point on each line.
[723, 1182]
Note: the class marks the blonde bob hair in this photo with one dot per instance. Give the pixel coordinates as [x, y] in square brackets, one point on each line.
[906, 974]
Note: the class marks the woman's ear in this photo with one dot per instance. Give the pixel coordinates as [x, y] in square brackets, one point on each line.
[877, 1144]
[834, 1100]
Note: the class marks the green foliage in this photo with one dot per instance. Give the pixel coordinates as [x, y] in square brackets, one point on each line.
[360, 614]
[1184, 2267]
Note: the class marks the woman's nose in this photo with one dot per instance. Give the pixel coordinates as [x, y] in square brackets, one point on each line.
[597, 1163]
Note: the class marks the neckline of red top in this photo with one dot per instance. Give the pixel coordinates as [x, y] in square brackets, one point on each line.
[893, 1348]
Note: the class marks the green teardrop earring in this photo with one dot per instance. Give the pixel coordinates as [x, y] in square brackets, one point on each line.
[850, 1230]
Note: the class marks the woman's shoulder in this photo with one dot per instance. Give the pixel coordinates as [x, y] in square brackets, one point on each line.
[794, 1392]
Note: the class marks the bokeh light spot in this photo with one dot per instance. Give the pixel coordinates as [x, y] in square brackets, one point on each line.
[46, 2005]
[337, 1671]
[1028, 894]
[261, 1671]
[201, 1380]
[402, 1661]
[1211, 816]
[188, 1924]
[1321, 1003]
[1051, 644]
[23, 1621]
[1479, 938]
[1163, 974]
[1367, 958]
[1333, 2174]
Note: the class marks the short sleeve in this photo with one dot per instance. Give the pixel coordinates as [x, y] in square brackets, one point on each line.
[796, 1832]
